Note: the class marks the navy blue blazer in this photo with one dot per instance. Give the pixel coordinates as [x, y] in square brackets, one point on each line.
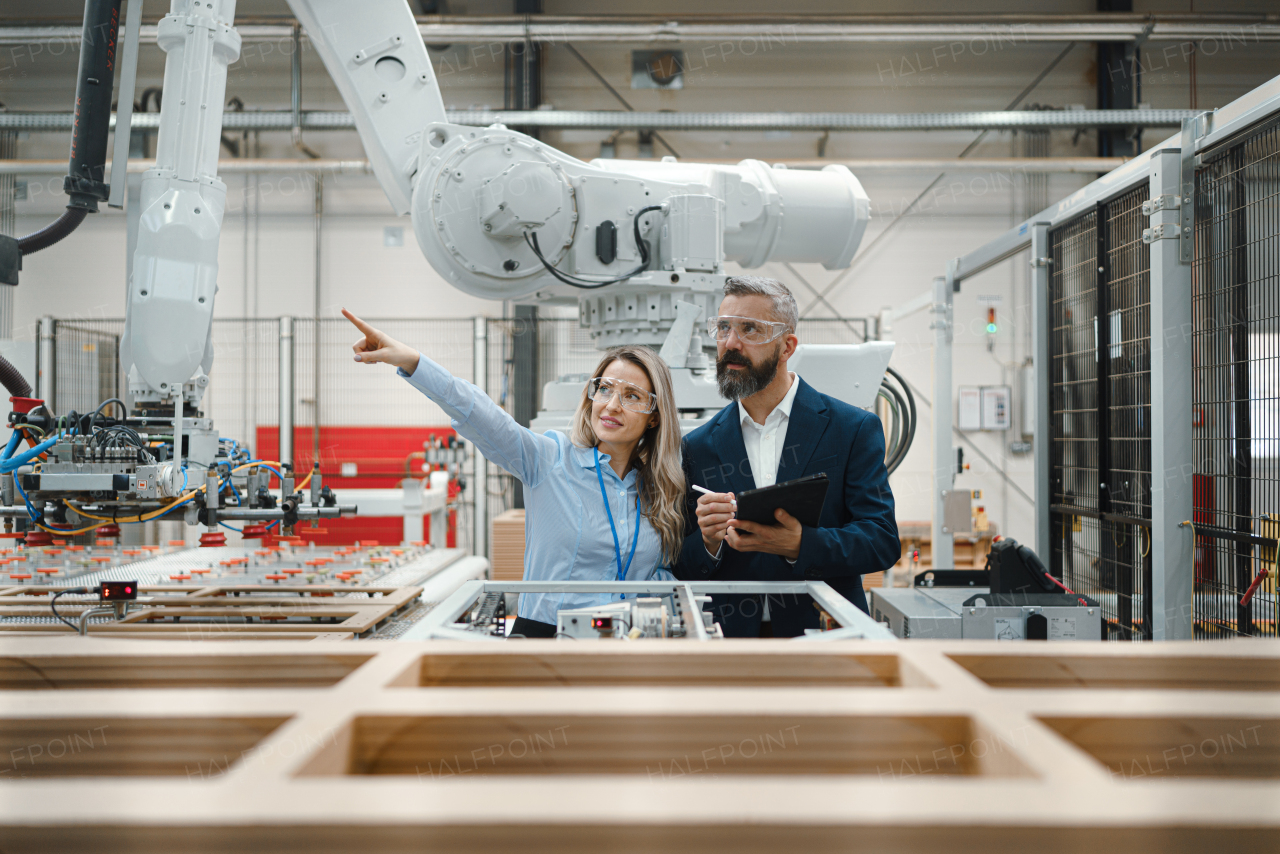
[857, 532]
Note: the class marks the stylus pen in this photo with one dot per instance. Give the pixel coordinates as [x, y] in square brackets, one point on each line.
[706, 491]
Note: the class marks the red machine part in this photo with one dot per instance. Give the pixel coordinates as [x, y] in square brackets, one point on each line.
[38, 539]
[382, 456]
[23, 405]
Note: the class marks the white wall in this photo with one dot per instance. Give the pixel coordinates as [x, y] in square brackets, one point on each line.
[272, 272]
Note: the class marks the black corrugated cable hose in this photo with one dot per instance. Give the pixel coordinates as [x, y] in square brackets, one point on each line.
[94, 79]
[11, 378]
[53, 232]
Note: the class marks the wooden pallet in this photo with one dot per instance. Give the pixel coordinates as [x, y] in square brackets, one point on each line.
[208, 612]
[749, 746]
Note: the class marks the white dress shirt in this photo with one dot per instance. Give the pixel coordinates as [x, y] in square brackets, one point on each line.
[764, 443]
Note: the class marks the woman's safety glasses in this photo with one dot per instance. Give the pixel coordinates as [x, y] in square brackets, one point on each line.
[748, 328]
[634, 398]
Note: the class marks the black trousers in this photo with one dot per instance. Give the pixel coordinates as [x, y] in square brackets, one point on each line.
[527, 628]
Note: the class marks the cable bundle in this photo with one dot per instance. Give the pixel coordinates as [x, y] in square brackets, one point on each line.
[902, 423]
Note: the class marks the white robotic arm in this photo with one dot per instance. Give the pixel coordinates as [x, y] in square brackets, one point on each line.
[488, 202]
[377, 60]
[166, 348]
[499, 214]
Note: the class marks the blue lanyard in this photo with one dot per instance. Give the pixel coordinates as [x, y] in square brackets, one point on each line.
[617, 550]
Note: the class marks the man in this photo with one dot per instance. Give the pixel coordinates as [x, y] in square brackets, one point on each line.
[777, 429]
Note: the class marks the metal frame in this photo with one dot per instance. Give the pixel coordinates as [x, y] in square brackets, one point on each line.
[944, 454]
[1040, 346]
[854, 622]
[1172, 578]
[882, 29]
[480, 473]
[1234, 296]
[292, 165]
[285, 404]
[609, 120]
[1168, 168]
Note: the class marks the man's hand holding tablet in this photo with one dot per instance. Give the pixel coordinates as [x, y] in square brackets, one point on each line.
[780, 539]
[716, 511]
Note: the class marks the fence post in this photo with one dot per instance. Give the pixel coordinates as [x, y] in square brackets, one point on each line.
[480, 477]
[45, 382]
[1041, 329]
[286, 390]
[944, 454]
[1172, 548]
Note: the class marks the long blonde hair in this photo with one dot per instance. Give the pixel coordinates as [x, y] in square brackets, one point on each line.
[657, 456]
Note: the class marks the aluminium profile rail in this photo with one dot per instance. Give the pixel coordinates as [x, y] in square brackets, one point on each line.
[284, 120]
[780, 31]
[855, 623]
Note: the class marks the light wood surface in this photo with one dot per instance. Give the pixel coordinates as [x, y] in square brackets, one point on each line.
[506, 546]
[919, 746]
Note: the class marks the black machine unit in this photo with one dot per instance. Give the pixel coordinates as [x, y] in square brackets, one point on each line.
[1014, 568]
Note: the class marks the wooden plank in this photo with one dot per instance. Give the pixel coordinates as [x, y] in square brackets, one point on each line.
[44, 672]
[705, 669]
[1170, 748]
[112, 747]
[1191, 673]
[661, 746]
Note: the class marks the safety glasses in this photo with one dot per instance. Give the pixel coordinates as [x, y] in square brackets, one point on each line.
[748, 329]
[634, 398]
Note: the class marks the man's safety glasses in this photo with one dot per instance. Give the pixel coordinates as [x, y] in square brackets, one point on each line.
[748, 328]
[634, 398]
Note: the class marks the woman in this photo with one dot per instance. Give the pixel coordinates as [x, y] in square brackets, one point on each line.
[603, 506]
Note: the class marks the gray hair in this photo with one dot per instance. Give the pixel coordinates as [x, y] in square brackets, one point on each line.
[784, 304]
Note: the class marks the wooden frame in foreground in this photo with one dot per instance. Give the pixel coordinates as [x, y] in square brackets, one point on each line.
[963, 746]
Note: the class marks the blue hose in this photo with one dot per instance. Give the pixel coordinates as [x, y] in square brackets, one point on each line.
[14, 463]
[14, 439]
[30, 510]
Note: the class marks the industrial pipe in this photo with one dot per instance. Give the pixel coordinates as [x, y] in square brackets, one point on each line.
[249, 166]
[770, 33]
[610, 120]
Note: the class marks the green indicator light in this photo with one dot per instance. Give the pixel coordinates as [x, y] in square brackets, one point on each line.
[991, 329]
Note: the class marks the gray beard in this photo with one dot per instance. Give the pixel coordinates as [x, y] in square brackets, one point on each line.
[735, 385]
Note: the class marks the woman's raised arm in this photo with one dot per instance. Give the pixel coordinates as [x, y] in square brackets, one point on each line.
[475, 416]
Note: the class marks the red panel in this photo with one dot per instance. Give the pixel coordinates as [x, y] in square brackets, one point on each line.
[1204, 500]
[380, 453]
[382, 459]
[387, 530]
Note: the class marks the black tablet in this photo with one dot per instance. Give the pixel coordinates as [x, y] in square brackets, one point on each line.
[802, 498]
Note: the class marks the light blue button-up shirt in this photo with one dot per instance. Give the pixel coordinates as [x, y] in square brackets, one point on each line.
[566, 527]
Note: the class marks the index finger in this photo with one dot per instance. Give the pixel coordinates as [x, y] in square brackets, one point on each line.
[360, 324]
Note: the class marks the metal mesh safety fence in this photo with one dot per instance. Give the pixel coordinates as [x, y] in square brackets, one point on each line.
[1236, 385]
